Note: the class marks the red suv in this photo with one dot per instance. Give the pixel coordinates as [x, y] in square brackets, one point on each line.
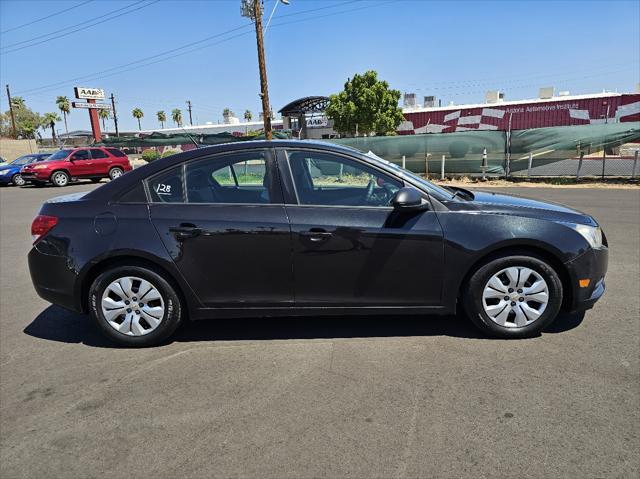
[65, 165]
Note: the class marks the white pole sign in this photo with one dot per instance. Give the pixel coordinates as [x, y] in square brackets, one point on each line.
[89, 93]
[94, 106]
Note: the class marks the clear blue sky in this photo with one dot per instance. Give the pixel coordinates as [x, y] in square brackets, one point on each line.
[453, 49]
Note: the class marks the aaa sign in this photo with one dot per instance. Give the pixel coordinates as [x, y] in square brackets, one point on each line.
[89, 93]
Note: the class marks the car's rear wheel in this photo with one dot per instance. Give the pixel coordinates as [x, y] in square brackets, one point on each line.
[60, 178]
[115, 173]
[18, 180]
[513, 296]
[134, 306]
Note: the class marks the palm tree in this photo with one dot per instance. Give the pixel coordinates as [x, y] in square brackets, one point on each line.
[17, 102]
[65, 108]
[176, 116]
[137, 114]
[162, 117]
[103, 115]
[49, 121]
[248, 115]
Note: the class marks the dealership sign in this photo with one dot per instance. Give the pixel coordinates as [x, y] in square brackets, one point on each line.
[95, 106]
[89, 93]
[317, 121]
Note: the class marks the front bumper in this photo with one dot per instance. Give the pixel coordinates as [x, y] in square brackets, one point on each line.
[34, 176]
[591, 265]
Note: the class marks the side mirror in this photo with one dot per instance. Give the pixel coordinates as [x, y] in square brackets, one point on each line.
[73, 158]
[409, 199]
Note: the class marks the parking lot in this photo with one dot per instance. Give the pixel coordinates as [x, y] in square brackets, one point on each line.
[339, 397]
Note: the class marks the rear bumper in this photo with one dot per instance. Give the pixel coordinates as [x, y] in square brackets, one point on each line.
[591, 265]
[54, 279]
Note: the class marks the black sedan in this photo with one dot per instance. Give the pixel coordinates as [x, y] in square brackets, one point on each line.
[302, 228]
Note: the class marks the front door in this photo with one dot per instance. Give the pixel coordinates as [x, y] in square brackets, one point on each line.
[80, 164]
[223, 222]
[350, 247]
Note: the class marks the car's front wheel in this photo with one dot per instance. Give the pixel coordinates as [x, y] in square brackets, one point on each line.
[18, 180]
[513, 296]
[134, 306]
[60, 178]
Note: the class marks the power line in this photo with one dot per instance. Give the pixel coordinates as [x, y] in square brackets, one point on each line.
[123, 68]
[46, 17]
[70, 32]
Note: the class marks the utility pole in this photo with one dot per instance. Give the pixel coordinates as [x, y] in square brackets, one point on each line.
[253, 10]
[115, 117]
[189, 110]
[13, 116]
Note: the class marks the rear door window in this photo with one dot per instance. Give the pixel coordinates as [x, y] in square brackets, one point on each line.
[98, 154]
[166, 187]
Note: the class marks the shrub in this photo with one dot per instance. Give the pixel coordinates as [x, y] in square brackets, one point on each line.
[169, 153]
[150, 155]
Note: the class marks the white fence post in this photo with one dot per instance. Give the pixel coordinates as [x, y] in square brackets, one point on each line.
[635, 164]
[442, 168]
[530, 162]
[404, 162]
[579, 166]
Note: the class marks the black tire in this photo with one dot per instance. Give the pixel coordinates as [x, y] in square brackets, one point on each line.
[95, 180]
[17, 180]
[60, 178]
[115, 173]
[473, 301]
[169, 323]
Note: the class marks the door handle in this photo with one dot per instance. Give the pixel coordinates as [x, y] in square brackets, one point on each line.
[185, 230]
[316, 234]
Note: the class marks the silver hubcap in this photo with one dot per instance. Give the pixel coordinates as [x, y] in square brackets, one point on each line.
[132, 306]
[115, 174]
[515, 297]
[18, 180]
[60, 179]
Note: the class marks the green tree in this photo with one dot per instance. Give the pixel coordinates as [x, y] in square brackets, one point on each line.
[162, 117]
[248, 115]
[49, 121]
[366, 105]
[103, 115]
[27, 121]
[65, 108]
[138, 114]
[176, 116]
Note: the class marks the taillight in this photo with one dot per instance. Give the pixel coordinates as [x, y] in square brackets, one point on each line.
[41, 225]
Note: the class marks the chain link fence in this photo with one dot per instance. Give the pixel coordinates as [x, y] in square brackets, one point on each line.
[604, 150]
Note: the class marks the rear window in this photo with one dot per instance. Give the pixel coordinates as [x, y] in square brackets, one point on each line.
[116, 152]
[134, 195]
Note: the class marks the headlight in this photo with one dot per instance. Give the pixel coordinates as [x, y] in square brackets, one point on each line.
[4, 172]
[593, 234]
[39, 167]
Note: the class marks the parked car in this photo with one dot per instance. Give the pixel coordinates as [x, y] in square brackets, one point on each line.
[77, 163]
[10, 173]
[304, 228]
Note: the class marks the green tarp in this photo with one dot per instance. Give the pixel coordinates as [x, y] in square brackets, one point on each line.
[164, 139]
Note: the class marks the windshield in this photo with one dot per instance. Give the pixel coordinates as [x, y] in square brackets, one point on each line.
[438, 191]
[59, 155]
[23, 160]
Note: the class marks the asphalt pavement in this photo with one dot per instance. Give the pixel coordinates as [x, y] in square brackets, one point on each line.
[339, 397]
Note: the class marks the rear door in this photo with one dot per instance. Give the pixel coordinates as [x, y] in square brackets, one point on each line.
[223, 221]
[350, 247]
[100, 162]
